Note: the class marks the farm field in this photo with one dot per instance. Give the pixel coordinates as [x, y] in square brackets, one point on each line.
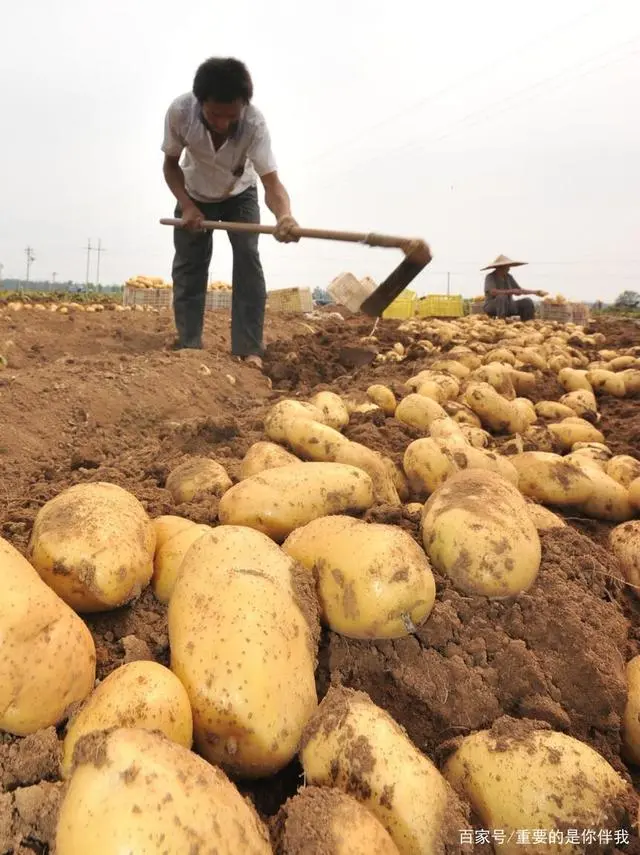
[100, 396]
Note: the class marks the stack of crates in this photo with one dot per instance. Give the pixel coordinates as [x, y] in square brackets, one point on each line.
[290, 300]
[156, 298]
[440, 306]
[580, 313]
[218, 300]
[562, 313]
[402, 307]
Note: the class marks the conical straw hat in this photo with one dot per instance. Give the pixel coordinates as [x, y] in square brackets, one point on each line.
[503, 261]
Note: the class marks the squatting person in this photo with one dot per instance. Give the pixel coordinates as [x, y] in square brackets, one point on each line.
[500, 288]
[226, 146]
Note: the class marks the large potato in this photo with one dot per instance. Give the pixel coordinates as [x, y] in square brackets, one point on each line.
[461, 414]
[553, 410]
[333, 409]
[631, 718]
[624, 469]
[94, 545]
[47, 654]
[551, 479]
[168, 558]
[624, 541]
[138, 694]
[631, 379]
[312, 440]
[196, 478]
[583, 403]
[419, 411]
[383, 397]
[476, 530]
[427, 465]
[573, 379]
[373, 580]
[280, 413]
[134, 791]
[451, 366]
[634, 494]
[280, 500]
[352, 744]
[572, 430]
[497, 414]
[245, 651]
[530, 781]
[607, 381]
[498, 376]
[264, 455]
[608, 500]
[326, 821]
[543, 518]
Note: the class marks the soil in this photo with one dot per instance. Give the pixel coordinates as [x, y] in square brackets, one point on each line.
[101, 396]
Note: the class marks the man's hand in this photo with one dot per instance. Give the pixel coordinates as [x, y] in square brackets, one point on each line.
[418, 251]
[541, 293]
[192, 217]
[283, 230]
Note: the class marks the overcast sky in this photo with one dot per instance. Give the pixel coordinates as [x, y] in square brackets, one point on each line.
[483, 127]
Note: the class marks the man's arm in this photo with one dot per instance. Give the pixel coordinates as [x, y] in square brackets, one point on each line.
[173, 146]
[278, 201]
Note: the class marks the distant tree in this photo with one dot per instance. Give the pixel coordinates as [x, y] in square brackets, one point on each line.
[628, 300]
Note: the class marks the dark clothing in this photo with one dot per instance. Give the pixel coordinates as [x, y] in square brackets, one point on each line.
[193, 251]
[504, 305]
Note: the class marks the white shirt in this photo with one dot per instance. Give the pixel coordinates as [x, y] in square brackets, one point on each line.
[209, 174]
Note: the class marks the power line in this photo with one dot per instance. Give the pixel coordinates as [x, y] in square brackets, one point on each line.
[89, 250]
[99, 251]
[30, 259]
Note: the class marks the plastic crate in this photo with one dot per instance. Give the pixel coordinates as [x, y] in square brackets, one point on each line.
[218, 300]
[440, 306]
[290, 300]
[580, 313]
[402, 307]
[563, 314]
[157, 298]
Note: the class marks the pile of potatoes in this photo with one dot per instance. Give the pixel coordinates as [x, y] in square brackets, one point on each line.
[152, 755]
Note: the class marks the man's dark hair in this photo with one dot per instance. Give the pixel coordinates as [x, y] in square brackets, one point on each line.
[224, 80]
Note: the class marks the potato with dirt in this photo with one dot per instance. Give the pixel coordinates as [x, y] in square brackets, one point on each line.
[572, 430]
[553, 410]
[333, 408]
[543, 518]
[476, 530]
[573, 379]
[623, 468]
[280, 413]
[93, 544]
[263, 455]
[583, 403]
[497, 414]
[634, 494]
[516, 776]
[47, 654]
[280, 500]
[631, 718]
[355, 746]
[551, 479]
[243, 633]
[169, 554]
[418, 411]
[373, 580]
[326, 821]
[137, 694]
[609, 500]
[607, 382]
[197, 478]
[132, 790]
[624, 541]
[383, 397]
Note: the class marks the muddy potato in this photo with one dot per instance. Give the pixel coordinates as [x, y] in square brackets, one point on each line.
[133, 790]
[526, 410]
[476, 436]
[573, 379]
[523, 382]
[278, 416]
[530, 780]
[634, 494]
[427, 465]
[383, 397]
[624, 541]
[500, 354]
[333, 409]
[398, 478]
[418, 411]
[631, 379]
[553, 410]
[449, 430]
[608, 500]
[498, 376]
[280, 500]
[264, 455]
[461, 414]
[398, 784]
[607, 381]
[623, 468]
[570, 431]
[310, 440]
[476, 530]
[466, 357]
[47, 654]
[322, 820]
[532, 357]
[631, 717]
[597, 451]
[583, 403]
[559, 361]
[196, 478]
[373, 580]
[551, 479]
[168, 558]
[543, 518]
[451, 366]
[380, 470]
[414, 509]
[137, 694]
[94, 545]
[496, 413]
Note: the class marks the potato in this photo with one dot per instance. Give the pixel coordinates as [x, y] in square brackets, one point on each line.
[523, 382]
[608, 500]
[374, 464]
[138, 694]
[624, 541]
[631, 379]
[280, 413]
[47, 654]
[94, 545]
[532, 357]
[573, 379]
[465, 356]
[476, 530]
[451, 366]
[398, 478]
[333, 409]
[496, 413]
[624, 469]
[553, 410]
[197, 478]
[450, 431]
[631, 717]
[526, 410]
[634, 494]
[395, 781]
[264, 455]
[498, 376]
[544, 519]
[168, 526]
[475, 436]
[607, 381]
[133, 790]
[620, 363]
[583, 403]
[570, 431]
[244, 650]
[383, 397]
[373, 580]
[280, 500]
[461, 414]
[559, 361]
[550, 479]
[311, 440]
[529, 781]
[500, 354]
[321, 820]
[168, 559]
[418, 412]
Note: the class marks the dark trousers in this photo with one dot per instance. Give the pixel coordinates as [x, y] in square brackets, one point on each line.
[190, 272]
[505, 306]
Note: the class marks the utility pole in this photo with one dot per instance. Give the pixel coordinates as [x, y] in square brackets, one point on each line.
[53, 277]
[89, 249]
[448, 284]
[30, 259]
[99, 251]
